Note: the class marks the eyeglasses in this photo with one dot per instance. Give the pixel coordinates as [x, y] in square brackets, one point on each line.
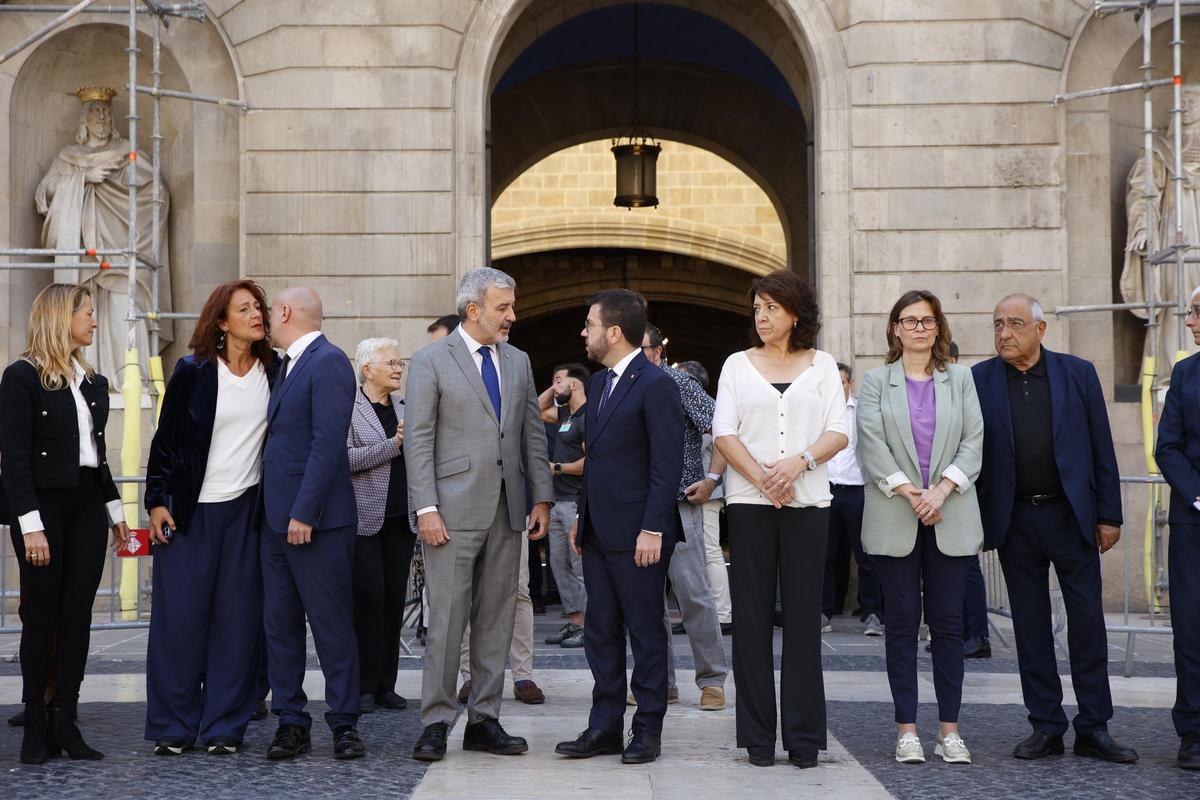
[911, 323]
[1193, 312]
[648, 347]
[394, 363]
[588, 325]
[1015, 324]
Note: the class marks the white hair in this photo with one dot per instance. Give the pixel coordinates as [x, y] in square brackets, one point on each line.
[368, 350]
[474, 285]
[1035, 308]
[1195, 292]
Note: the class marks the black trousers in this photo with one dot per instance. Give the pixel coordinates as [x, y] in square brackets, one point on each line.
[945, 579]
[59, 596]
[1183, 554]
[380, 578]
[1039, 536]
[975, 621]
[845, 536]
[777, 548]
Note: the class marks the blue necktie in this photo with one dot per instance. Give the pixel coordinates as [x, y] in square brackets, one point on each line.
[608, 385]
[491, 381]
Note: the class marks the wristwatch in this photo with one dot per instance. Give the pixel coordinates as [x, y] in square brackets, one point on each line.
[809, 459]
[715, 478]
[558, 469]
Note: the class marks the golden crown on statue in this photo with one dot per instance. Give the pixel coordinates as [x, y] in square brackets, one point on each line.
[91, 92]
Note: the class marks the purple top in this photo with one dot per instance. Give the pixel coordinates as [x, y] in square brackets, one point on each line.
[922, 415]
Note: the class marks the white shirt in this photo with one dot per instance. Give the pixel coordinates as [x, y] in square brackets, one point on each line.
[619, 370]
[844, 469]
[473, 348]
[774, 426]
[89, 456]
[239, 428]
[297, 349]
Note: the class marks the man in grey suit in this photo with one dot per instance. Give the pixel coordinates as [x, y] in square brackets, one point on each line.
[473, 435]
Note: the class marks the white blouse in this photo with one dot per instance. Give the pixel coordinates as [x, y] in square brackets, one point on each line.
[774, 426]
[238, 432]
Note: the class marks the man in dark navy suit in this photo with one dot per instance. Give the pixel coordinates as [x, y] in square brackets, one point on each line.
[309, 525]
[1049, 493]
[1178, 457]
[628, 523]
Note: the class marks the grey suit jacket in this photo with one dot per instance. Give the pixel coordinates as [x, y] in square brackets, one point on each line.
[457, 452]
[889, 459]
[371, 452]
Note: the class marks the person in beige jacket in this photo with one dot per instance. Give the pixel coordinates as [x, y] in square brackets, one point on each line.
[920, 438]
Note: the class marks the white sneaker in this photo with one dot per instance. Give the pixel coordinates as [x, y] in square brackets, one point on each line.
[909, 750]
[872, 625]
[826, 625]
[952, 749]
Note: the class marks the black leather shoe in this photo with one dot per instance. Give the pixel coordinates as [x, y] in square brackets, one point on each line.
[260, 711]
[1189, 751]
[804, 758]
[1039, 745]
[1099, 744]
[17, 720]
[431, 746]
[489, 736]
[222, 746]
[391, 700]
[726, 628]
[642, 749]
[171, 746]
[348, 744]
[33, 741]
[289, 742]
[366, 703]
[761, 756]
[67, 733]
[592, 742]
[977, 648]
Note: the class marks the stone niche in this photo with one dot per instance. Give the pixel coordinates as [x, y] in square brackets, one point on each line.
[199, 152]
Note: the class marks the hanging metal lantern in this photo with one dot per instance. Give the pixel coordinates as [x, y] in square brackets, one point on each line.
[637, 174]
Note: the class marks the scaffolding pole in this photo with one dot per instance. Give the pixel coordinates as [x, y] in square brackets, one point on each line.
[185, 10]
[70, 14]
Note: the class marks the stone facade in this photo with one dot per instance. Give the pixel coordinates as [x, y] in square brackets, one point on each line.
[936, 159]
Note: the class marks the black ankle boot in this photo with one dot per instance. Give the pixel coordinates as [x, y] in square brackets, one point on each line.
[53, 748]
[33, 742]
[68, 734]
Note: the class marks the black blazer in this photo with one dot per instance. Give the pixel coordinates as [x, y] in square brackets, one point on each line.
[1083, 446]
[179, 450]
[1178, 450]
[39, 436]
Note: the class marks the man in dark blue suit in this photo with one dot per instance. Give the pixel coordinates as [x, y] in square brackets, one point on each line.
[309, 525]
[628, 523]
[1049, 493]
[1178, 457]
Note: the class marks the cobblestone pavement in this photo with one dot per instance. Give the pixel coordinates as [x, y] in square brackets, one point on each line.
[990, 732]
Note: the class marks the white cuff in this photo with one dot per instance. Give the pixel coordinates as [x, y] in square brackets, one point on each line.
[31, 522]
[116, 512]
[889, 484]
[654, 533]
[425, 510]
[959, 477]
[1196, 505]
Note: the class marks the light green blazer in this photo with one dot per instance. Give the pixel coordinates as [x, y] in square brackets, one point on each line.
[889, 459]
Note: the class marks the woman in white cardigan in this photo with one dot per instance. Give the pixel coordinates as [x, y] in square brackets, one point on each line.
[778, 419]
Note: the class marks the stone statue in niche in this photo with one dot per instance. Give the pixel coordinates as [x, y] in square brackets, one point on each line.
[85, 199]
[1165, 342]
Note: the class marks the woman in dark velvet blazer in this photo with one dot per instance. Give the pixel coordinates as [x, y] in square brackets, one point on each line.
[202, 493]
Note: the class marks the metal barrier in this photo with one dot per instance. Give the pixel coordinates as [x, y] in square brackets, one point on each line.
[140, 614]
[1150, 525]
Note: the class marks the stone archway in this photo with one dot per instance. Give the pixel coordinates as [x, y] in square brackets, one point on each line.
[200, 153]
[810, 33]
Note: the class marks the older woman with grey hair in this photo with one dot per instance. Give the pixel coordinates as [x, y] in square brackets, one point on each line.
[384, 546]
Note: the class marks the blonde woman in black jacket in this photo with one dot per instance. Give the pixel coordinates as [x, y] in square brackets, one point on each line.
[63, 498]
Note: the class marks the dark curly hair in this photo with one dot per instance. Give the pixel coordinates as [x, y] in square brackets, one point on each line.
[205, 338]
[797, 298]
[940, 356]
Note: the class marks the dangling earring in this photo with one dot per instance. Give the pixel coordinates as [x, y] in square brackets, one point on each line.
[794, 323]
[221, 340]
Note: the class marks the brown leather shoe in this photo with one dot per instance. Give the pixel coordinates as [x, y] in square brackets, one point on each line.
[464, 693]
[712, 698]
[529, 693]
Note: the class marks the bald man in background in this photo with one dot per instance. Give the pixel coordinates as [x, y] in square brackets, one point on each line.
[308, 531]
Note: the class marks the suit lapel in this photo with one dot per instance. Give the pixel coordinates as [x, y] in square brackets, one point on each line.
[367, 415]
[998, 383]
[619, 391]
[466, 362]
[509, 381]
[943, 407]
[293, 372]
[1057, 380]
[898, 403]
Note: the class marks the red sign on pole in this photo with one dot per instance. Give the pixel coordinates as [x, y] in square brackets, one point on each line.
[139, 544]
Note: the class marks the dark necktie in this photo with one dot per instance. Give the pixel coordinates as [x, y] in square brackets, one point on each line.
[491, 381]
[283, 366]
[609, 377]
